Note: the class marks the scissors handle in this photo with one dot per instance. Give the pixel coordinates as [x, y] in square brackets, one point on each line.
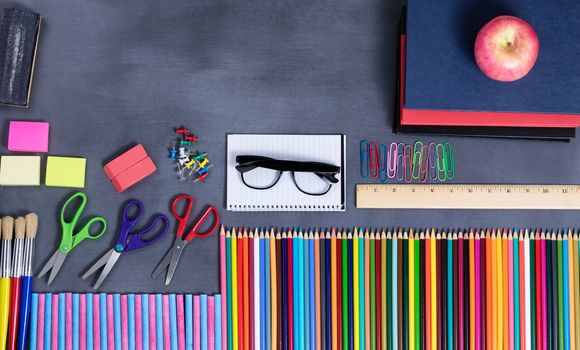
[136, 241]
[193, 233]
[70, 239]
[182, 219]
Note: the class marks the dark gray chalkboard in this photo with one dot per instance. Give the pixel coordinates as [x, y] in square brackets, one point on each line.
[113, 73]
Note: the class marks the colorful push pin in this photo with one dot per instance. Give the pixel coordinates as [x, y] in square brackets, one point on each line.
[184, 142]
[201, 177]
[181, 131]
[203, 163]
[202, 171]
[190, 163]
[199, 156]
[191, 138]
[173, 154]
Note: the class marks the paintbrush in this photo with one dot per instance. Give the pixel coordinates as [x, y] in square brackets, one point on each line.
[26, 280]
[5, 273]
[19, 234]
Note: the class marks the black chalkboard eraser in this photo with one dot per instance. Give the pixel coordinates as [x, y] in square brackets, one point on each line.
[19, 31]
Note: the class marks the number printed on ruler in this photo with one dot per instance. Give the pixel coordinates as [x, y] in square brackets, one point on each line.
[468, 196]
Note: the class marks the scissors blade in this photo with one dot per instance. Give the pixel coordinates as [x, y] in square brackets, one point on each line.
[59, 260]
[49, 264]
[163, 264]
[108, 267]
[102, 261]
[175, 259]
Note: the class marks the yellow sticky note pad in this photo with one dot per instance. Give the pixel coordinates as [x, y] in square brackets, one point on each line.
[65, 172]
[20, 171]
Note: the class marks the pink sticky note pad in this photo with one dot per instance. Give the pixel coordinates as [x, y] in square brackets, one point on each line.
[28, 136]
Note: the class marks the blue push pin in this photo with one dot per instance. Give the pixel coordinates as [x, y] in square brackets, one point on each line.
[172, 154]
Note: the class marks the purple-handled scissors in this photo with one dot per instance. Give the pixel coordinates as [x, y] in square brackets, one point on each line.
[127, 240]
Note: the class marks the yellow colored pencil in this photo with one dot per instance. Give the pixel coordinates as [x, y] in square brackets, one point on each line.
[355, 291]
[235, 289]
[432, 247]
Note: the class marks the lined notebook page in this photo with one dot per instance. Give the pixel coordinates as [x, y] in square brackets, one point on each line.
[284, 196]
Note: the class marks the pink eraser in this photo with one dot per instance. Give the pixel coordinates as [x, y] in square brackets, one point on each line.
[134, 174]
[124, 161]
[28, 136]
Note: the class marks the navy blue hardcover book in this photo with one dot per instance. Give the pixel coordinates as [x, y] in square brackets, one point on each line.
[444, 86]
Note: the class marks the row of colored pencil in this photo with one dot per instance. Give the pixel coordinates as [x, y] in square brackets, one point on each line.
[125, 321]
[403, 289]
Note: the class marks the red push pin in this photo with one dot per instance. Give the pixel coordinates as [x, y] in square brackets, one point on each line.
[202, 177]
[191, 138]
[180, 131]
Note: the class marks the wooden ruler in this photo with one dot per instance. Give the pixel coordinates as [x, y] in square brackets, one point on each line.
[455, 196]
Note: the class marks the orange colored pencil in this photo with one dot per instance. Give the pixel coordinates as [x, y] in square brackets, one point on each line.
[317, 288]
[333, 294]
[471, 252]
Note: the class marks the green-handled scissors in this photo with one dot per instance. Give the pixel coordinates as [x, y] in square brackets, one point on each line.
[70, 238]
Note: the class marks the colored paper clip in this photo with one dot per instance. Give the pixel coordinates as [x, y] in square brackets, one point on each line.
[424, 164]
[392, 161]
[374, 160]
[441, 172]
[364, 159]
[432, 161]
[400, 165]
[408, 163]
[383, 163]
[417, 155]
[449, 161]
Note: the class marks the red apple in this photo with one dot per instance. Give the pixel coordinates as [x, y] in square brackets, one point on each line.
[506, 48]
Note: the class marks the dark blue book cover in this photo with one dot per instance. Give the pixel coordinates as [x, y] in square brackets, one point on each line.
[441, 73]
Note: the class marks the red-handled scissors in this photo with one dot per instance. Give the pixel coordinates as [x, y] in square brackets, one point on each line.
[171, 259]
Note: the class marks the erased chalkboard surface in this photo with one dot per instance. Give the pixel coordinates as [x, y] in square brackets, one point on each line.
[18, 42]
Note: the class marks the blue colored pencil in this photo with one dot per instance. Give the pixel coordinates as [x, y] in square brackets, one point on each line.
[313, 292]
[103, 315]
[173, 321]
[47, 321]
[159, 321]
[89, 330]
[566, 293]
[329, 315]
[306, 290]
[75, 321]
[117, 318]
[361, 287]
[131, 320]
[217, 299]
[350, 294]
[61, 320]
[449, 294]
[516, 292]
[145, 317]
[284, 294]
[267, 291]
[33, 320]
[189, 321]
[203, 316]
[301, 315]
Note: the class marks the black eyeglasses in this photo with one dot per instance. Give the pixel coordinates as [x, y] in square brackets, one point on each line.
[311, 178]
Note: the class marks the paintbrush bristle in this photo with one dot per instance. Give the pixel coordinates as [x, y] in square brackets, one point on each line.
[31, 225]
[20, 227]
[7, 227]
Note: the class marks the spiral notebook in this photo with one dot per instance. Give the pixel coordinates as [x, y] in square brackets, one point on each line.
[284, 196]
